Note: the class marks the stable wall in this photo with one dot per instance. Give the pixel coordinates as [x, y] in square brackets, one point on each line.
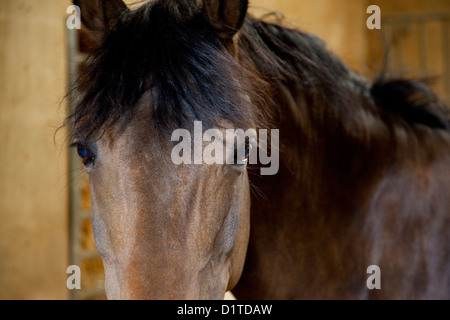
[33, 167]
[342, 23]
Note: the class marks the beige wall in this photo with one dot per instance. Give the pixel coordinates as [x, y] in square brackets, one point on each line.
[411, 45]
[341, 23]
[33, 169]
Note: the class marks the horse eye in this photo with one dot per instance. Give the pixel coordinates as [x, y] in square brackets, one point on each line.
[82, 152]
[247, 152]
[243, 159]
[85, 154]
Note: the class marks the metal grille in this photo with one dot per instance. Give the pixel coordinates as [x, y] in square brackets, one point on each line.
[82, 247]
[418, 45]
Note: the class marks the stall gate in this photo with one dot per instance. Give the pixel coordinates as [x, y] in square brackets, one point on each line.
[418, 45]
[82, 247]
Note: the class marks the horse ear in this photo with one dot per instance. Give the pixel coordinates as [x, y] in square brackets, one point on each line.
[226, 16]
[100, 16]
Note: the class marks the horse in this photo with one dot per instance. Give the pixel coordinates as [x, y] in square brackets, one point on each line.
[359, 207]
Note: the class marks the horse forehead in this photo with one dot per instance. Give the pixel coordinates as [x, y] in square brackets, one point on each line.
[135, 133]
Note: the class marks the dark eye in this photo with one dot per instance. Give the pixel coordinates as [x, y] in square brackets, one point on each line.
[87, 157]
[82, 152]
[246, 153]
[242, 159]
[248, 147]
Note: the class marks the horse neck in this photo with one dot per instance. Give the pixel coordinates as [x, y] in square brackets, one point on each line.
[316, 224]
[334, 140]
[329, 146]
[331, 149]
[326, 173]
[323, 109]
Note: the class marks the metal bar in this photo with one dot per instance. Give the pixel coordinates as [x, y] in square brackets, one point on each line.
[74, 193]
[446, 57]
[88, 254]
[423, 52]
[399, 53]
[76, 213]
[408, 18]
[91, 293]
[387, 39]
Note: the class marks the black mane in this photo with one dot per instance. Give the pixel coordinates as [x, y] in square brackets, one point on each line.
[413, 101]
[167, 48]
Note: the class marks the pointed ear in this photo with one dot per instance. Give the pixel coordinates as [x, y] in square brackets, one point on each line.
[226, 16]
[100, 16]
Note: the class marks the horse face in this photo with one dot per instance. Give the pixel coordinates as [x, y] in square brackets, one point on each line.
[164, 230]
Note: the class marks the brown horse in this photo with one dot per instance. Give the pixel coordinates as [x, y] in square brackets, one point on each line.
[363, 177]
